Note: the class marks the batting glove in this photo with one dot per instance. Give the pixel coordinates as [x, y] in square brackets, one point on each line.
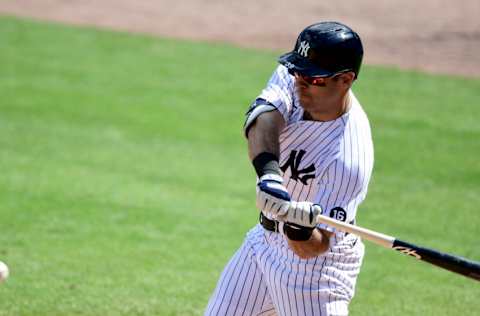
[272, 197]
[301, 213]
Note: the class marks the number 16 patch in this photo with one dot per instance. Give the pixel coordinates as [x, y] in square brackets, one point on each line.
[338, 213]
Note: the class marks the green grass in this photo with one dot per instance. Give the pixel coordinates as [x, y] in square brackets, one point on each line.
[125, 184]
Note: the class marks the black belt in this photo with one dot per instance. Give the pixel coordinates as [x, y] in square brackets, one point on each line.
[294, 232]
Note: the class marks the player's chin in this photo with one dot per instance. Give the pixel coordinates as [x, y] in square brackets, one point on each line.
[306, 103]
[305, 99]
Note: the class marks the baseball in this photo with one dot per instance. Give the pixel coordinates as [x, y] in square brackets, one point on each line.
[3, 271]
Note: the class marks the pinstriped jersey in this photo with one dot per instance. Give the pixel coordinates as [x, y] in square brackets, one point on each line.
[328, 163]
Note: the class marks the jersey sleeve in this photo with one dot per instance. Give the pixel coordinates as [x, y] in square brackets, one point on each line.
[279, 91]
[342, 189]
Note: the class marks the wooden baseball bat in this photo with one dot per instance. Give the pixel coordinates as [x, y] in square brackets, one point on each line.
[468, 268]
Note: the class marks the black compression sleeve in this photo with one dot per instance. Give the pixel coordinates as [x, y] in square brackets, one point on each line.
[266, 163]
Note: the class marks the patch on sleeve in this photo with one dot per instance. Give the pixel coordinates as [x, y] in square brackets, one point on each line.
[338, 213]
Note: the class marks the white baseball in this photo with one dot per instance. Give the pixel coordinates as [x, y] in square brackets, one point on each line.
[3, 271]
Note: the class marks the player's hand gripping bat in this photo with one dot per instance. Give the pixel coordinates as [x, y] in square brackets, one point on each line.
[446, 261]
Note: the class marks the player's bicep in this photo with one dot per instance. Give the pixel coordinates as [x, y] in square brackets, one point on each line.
[263, 133]
[259, 107]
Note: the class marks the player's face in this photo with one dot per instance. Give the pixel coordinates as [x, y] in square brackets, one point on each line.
[315, 93]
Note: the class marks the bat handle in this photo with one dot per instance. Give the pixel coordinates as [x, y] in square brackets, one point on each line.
[370, 235]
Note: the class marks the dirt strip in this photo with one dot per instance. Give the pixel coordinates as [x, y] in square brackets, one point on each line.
[436, 36]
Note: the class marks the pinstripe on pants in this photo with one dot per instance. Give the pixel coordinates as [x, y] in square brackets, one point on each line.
[265, 277]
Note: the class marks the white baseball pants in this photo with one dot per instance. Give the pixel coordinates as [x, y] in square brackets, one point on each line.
[265, 277]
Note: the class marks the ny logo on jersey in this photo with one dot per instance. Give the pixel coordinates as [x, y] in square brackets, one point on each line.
[303, 48]
[294, 163]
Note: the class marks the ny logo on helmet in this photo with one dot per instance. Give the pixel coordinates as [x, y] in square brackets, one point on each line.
[303, 48]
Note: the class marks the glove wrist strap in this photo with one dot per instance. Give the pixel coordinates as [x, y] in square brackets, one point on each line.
[297, 232]
[271, 177]
[266, 163]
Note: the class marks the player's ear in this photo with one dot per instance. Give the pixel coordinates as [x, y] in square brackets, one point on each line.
[346, 79]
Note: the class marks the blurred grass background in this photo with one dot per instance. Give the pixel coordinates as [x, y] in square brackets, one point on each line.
[125, 185]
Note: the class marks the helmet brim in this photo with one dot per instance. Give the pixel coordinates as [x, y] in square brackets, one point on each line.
[297, 63]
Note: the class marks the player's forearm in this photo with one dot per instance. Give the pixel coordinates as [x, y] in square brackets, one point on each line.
[318, 243]
[263, 135]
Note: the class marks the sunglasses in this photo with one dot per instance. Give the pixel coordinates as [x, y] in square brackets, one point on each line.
[315, 81]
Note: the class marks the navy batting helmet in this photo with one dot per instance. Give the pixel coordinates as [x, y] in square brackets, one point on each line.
[324, 49]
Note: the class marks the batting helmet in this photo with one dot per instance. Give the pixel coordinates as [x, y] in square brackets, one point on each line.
[324, 49]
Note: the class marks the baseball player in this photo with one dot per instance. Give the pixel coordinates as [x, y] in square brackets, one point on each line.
[310, 144]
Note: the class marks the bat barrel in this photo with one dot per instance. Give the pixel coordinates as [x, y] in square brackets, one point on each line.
[457, 264]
